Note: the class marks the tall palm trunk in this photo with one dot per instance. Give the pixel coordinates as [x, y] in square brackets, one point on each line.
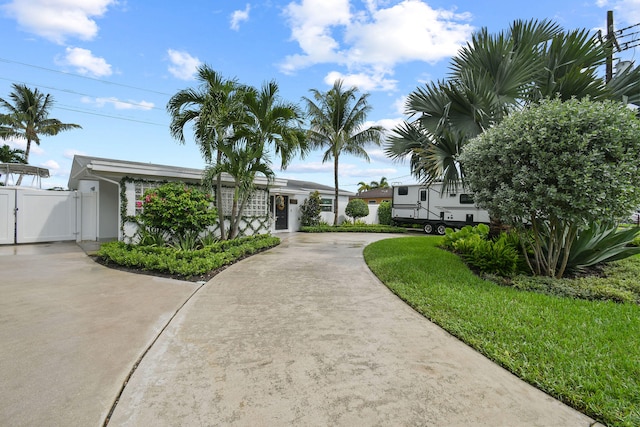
[26, 159]
[219, 204]
[335, 197]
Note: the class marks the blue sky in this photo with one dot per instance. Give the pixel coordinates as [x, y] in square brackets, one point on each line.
[112, 65]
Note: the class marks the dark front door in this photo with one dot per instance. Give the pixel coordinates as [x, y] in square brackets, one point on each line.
[281, 209]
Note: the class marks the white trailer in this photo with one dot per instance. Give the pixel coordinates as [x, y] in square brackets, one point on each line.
[418, 204]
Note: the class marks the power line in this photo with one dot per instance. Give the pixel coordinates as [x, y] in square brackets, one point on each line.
[627, 28]
[10, 61]
[110, 116]
[134, 104]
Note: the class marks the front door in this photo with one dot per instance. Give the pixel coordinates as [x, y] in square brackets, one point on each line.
[281, 210]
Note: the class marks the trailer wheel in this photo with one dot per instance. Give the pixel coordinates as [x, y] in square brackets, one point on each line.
[428, 228]
[441, 229]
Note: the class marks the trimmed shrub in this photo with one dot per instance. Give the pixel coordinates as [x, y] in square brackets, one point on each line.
[357, 208]
[384, 213]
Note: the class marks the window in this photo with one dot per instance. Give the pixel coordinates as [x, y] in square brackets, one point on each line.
[403, 191]
[326, 205]
[466, 199]
[423, 195]
[140, 188]
[257, 205]
[372, 202]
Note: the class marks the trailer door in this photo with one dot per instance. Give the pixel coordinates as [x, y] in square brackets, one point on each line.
[423, 204]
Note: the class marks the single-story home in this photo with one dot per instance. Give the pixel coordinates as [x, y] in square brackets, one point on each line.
[119, 186]
[375, 196]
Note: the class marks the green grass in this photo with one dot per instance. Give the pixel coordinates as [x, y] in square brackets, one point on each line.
[584, 353]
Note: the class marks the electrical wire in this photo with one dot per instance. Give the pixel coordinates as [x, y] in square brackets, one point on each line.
[10, 61]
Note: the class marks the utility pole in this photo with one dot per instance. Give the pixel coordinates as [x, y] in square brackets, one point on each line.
[609, 46]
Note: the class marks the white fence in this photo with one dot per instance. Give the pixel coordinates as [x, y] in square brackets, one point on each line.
[33, 216]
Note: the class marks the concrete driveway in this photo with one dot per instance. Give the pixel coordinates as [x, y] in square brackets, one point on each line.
[70, 332]
[303, 335]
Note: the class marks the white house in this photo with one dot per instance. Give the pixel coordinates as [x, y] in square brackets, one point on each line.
[119, 185]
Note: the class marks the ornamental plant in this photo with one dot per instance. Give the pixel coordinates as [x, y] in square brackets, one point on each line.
[356, 208]
[556, 167]
[177, 210]
[384, 213]
[311, 209]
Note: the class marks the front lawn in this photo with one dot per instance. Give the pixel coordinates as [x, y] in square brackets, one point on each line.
[584, 353]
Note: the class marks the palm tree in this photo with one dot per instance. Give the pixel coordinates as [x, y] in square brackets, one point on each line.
[27, 118]
[363, 186]
[214, 110]
[375, 184]
[9, 155]
[494, 75]
[337, 124]
[243, 161]
[270, 121]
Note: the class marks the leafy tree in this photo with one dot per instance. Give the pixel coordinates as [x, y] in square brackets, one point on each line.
[311, 209]
[9, 155]
[338, 119]
[357, 208]
[493, 76]
[558, 166]
[27, 118]
[384, 213]
[213, 110]
[243, 161]
[177, 210]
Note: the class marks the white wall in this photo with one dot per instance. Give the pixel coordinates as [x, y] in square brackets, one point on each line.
[372, 218]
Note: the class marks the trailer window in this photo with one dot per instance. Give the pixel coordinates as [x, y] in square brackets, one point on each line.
[466, 199]
[423, 195]
[403, 191]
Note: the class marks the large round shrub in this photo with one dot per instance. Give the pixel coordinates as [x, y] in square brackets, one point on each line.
[557, 166]
[177, 209]
[356, 208]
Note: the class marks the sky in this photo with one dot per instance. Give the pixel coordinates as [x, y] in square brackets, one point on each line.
[112, 65]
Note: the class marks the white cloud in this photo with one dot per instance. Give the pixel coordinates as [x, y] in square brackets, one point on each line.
[363, 81]
[184, 66]
[21, 144]
[311, 167]
[629, 10]
[57, 20]
[371, 42]
[119, 104]
[85, 63]
[239, 16]
[70, 153]
[400, 104]
[51, 165]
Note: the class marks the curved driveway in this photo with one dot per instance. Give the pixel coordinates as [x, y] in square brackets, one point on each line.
[305, 335]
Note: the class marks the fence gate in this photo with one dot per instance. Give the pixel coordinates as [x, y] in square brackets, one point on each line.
[32, 216]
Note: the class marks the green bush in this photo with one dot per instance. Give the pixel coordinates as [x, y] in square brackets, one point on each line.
[501, 257]
[384, 213]
[558, 166]
[311, 209]
[184, 263]
[356, 208]
[177, 211]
